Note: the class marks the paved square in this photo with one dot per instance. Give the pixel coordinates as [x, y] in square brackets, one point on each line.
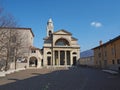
[60, 79]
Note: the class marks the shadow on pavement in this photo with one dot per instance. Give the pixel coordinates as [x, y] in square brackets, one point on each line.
[55, 80]
[73, 78]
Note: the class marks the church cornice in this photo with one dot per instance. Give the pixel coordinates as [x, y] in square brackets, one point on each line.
[70, 47]
[67, 33]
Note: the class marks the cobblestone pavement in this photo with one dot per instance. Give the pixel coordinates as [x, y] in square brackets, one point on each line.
[80, 78]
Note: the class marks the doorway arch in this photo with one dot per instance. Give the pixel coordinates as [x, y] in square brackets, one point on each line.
[33, 62]
[74, 60]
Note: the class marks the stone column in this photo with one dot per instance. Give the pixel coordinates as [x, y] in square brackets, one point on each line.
[65, 58]
[38, 62]
[71, 61]
[58, 58]
[53, 63]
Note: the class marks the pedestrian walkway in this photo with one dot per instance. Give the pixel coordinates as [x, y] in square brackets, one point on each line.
[4, 73]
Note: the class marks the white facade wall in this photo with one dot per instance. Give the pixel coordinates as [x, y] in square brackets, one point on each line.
[25, 38]
[39, 57]
[49, 46]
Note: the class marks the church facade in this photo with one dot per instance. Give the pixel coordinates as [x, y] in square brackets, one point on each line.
[60, 48]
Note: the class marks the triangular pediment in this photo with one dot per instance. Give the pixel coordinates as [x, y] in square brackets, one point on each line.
[62, 32]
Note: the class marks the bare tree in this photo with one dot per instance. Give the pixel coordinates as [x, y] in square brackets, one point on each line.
[5, 40]
[9, 44]
[18, 40]
[6, 20]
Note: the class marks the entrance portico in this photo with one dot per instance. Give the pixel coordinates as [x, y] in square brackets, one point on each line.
[61, 57]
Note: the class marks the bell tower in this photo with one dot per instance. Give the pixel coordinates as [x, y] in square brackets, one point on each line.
[50, 27]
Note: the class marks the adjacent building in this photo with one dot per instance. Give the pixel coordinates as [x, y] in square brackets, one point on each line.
[107, 55]
[17, 50]
[87, 58]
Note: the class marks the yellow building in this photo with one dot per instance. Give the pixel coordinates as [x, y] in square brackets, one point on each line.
[107, 55]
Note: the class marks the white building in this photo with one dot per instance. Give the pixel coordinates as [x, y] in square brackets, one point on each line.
[22, 53]
[60, 48]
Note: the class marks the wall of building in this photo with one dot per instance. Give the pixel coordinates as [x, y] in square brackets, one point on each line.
[23, 39]
[108, 55]
[37, 54]
[87, 61]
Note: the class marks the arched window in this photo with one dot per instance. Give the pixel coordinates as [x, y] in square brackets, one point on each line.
[48, 52]
[50, 33]
[33, 62]
[62, 42]
[74, 53]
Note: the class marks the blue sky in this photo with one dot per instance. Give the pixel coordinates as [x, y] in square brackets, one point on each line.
[88, 20]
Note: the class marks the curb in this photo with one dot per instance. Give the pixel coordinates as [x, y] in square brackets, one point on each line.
[111, 72]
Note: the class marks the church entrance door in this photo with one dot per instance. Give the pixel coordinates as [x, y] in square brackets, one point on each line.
[62, 57]
[74, 61]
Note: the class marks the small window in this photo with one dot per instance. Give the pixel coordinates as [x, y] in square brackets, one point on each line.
[105, 53]
[99, 48]
[74, 53]
[105, 46]
[99, 55]
[113, 51]
[50, 33]
[33, 51]
[118, 61]
[113, 61]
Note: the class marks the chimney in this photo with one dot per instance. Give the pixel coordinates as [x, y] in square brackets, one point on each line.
[100, 42]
